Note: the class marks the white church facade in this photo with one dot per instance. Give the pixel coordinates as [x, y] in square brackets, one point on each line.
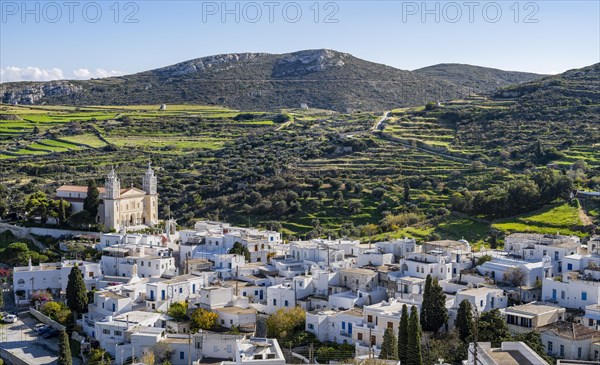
[119, 208]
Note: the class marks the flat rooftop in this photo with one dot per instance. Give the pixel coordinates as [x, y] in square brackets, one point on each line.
[534, 308]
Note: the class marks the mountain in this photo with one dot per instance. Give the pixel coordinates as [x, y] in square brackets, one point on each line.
[251, 81]
[481, 80]
[572, 95]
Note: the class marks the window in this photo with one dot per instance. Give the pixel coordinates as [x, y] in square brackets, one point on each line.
[562, 294]
[370, 318]
[181, 355]
[556, 256]
[390, 325]
[106, 332]
[285, 303]
[583, 295]
[343, 325]
[311, 326]
[562, 350]
[359, 336]
[180, 290]
[569, 266]
[118, 333]
[550, 346]
[90, 274]
[274, 301]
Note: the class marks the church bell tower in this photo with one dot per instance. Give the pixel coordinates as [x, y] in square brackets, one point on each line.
[149, 184]
[112, 194]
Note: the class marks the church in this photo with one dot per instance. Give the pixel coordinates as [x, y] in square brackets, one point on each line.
[130, 208]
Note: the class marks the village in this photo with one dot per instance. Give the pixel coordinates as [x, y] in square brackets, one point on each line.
[207, 294]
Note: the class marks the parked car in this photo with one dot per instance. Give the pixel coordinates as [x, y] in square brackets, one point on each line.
[44, 330]
[52, 333]
[9, 318]
[40, 327]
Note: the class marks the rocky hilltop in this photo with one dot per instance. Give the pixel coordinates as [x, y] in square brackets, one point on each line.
[257, 81]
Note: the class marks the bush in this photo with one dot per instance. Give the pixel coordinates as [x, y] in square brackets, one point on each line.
[57, 311]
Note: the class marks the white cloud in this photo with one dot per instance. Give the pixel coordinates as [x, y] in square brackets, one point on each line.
[84, 73]
[9, 74]
[13, 74]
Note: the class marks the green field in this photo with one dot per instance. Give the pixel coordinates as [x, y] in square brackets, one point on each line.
[319, 173]
[562, 218]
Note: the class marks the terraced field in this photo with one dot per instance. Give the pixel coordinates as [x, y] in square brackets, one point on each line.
[314, 171]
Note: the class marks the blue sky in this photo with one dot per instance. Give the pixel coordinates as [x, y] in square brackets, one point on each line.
[38, 40]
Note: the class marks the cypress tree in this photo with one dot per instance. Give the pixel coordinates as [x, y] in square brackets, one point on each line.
[389, 347]
[92, 200]
[406, 192]
[77, 299]
[62, 212]
[425, 304]
[434, 313]
[403, 335]
[64, 350]
[414, 356]
[464, 320]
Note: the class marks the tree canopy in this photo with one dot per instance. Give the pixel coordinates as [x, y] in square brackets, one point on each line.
[389, 347]
[203, 319]
[414, 355]
[92, 200]
[403, 335]
[77, 299]
[434, 313]
[464, 320]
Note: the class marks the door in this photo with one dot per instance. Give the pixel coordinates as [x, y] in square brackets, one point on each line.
[553, 294]
[349, 328]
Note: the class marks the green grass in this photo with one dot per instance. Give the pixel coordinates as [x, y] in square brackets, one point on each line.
[560, 217]
[85, 139]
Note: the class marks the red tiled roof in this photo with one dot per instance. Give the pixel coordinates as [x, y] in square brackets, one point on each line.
[83, 189]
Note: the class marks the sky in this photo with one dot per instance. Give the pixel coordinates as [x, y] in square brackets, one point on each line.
[48, 40]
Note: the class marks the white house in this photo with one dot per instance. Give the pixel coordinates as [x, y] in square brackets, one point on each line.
[117, 330]
[257, 351]
[119, 261]
[568, 340]
[499, 269]
[531, 316]
[51, 276]
[483, 298]
[376, 318]
[280, 296]
[571, 290]
[333, 325]
[399, 248]
[535, 246]
[242, 318]
[214, 297]
[161, 293]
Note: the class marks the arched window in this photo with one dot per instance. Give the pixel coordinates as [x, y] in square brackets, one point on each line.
[21, 281]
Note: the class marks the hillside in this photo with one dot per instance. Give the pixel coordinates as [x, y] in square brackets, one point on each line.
[574, 92]
[481, 80]
[321, 173]
[251, 81]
